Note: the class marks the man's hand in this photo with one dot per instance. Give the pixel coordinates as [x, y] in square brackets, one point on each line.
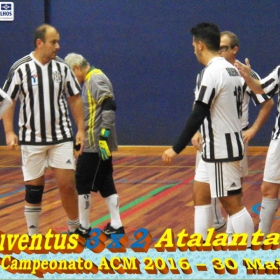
[104, 150]
[11, 140]
[168, 156]
[80, 142]
[244, 70]
[197, 141]
[248, 135]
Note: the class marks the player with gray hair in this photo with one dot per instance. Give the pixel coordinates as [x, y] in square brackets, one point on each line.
[94, 170]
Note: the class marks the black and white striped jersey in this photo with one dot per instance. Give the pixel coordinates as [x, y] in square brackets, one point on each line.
[220, 86]
[270, 85]
[43, 91]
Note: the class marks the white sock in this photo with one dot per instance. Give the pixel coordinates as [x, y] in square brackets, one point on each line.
[84, 210]
[112, 202]
[218, 216]
[73, 225]
[229, 229]
[203, 219]
[242, 223]
[32, 214]
[269, 208]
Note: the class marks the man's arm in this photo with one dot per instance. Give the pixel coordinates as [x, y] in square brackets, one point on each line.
[193, 124]
[8, 118]
[5, 104]
[76, 106]
[260, 120]
[245, 72]
[108, 121]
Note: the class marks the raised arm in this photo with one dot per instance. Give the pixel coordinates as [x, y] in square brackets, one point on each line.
[245, 72]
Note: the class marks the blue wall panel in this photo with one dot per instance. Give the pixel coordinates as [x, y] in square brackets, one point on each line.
[144, 46]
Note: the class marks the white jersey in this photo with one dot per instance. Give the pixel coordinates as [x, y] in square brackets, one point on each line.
[270, 85]
[220, 86]
[42, 89]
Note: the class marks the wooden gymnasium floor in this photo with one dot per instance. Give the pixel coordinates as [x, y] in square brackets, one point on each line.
[153, 195]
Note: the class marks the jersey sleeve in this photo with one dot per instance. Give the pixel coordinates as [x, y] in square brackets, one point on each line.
[270, 84]
[12, 84]
[72, 86]
[205, 89]
[256, 98]
[100, 91]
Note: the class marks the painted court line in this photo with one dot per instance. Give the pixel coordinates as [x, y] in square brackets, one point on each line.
[144, 201]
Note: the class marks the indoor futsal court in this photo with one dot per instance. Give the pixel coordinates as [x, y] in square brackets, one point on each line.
[152, 195]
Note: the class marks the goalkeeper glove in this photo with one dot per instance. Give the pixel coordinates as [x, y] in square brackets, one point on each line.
[104, 150]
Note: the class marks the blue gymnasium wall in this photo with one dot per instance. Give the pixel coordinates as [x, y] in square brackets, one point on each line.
[144, 47]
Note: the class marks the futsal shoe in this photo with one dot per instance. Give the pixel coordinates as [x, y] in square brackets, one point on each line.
[83, 232]
[108, 230]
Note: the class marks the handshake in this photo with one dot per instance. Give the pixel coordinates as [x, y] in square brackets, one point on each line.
[104, 150]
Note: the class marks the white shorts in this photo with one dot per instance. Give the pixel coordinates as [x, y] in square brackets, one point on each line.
[243, 163]
[223, 177]
[272, 163]
[35, 159]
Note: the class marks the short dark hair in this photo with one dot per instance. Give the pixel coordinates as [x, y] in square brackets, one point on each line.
[40, 32]
[233, 38]
[208, 33]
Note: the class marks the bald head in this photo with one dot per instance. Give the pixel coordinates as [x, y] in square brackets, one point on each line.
[41, 31]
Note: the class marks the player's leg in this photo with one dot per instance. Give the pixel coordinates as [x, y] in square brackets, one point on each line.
[106, 186]
[219, 220]
[270, 187]
[86, 171]
[33, 168]
[203, 214]
[225, 183]
[269, 205]
[62, 161]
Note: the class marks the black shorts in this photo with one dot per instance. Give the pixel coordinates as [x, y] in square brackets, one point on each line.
[94, 174]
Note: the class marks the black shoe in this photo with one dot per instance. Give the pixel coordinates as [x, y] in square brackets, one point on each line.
[85, 233]
[108, 230]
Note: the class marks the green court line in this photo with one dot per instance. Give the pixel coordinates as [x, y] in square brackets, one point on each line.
[135, 202]
[255, 171]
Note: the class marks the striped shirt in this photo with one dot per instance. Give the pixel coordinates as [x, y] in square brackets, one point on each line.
[220, 86]
[43, 91]
[270, 85]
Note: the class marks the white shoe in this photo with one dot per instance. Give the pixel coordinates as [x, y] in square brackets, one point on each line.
[220, 226]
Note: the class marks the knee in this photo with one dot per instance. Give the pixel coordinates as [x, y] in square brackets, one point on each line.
[201, 193]
[33, 194]
[67, 189]
[110, 190]
[83, 189]
[232, 204]
[269, 190]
